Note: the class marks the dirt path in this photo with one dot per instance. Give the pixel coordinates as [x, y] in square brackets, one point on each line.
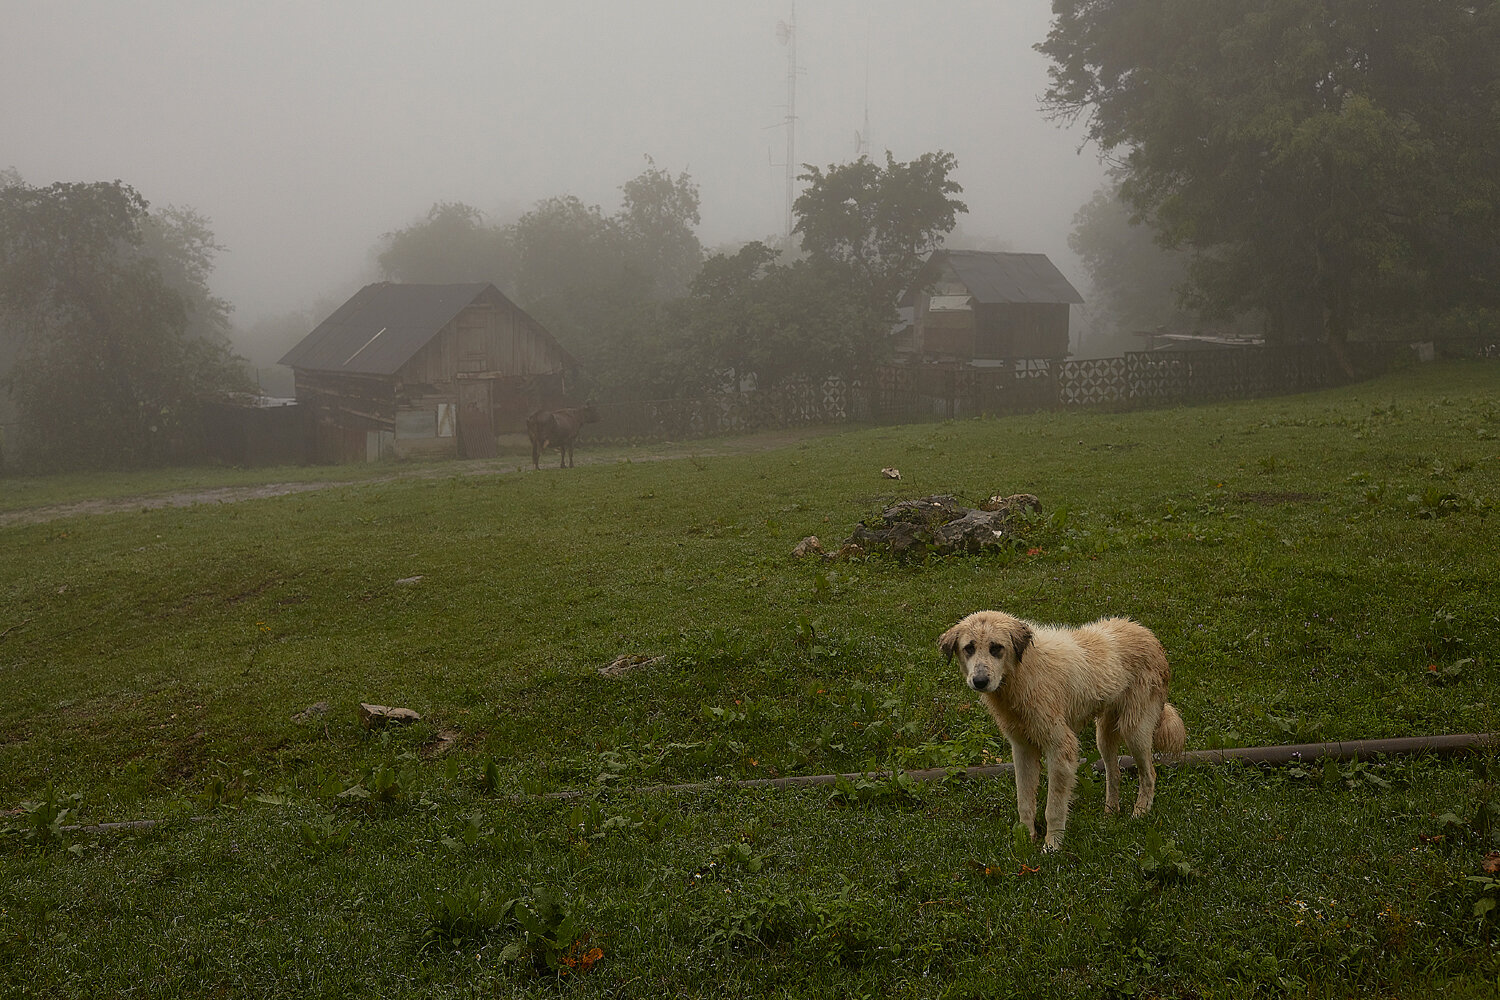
[745, 444]
[115, 505]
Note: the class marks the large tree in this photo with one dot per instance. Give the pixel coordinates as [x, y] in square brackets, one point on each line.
[656, 220]
[605, 284]
[1335, 163]
[727, 315]
[181, 241]
[109, 371]
[573, 274]
[452, 244]
[753, 319]
[879, 223]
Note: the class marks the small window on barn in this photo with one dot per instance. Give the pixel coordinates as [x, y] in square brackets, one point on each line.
[413, 424]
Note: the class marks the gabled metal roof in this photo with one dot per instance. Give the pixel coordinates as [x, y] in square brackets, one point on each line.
[384, 325]
[993, 277]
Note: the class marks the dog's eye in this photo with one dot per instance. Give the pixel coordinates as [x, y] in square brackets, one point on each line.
[969, 648]
[996, 649]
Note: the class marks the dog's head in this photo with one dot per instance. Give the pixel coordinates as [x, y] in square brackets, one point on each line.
[989, 645]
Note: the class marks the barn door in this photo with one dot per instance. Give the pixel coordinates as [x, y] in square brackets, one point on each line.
[476, 432]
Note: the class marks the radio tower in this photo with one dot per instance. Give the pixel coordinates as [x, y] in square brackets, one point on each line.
[862, 138]
[786, 34]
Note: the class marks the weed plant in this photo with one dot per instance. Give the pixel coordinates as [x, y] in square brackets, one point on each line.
[1318, 567]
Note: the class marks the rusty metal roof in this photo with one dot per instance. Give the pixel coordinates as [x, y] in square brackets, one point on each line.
[384, 325]
[993, 277]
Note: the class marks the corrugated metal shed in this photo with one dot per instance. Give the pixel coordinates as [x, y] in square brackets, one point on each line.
[993, 277]
[383, 326]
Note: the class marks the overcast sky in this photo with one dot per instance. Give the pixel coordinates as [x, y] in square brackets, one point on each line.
[306, 130]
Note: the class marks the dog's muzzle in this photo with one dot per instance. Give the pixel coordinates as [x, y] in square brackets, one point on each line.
[985, 682]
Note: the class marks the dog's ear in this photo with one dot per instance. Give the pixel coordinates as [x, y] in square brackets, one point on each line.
[1020, 639]
[948, 642]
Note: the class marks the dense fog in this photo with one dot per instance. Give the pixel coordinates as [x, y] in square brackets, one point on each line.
[305, 132]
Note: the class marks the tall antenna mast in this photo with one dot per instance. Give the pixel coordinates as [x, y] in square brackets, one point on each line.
[862, 147]
[786, 34]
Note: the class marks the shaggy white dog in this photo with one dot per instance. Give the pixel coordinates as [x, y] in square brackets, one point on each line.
[1042, 684]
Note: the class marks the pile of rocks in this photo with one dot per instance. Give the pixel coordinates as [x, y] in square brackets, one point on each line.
[937, 524]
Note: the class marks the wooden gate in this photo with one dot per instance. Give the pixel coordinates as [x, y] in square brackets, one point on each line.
[476, 432]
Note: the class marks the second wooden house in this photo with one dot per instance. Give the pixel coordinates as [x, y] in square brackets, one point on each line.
[974, 307]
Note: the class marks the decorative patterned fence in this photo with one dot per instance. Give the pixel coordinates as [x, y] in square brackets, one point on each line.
[902, 393]
[794, 405]
[1138, 379]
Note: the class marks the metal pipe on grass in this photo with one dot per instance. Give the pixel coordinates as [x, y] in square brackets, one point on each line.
[1400, 746]
[1271, 756]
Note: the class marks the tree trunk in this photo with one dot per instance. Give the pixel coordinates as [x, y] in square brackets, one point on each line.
[1336, 331]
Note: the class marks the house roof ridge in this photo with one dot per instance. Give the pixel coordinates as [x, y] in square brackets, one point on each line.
[384, 324]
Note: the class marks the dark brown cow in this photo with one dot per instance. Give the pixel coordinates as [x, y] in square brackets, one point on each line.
[559, 429]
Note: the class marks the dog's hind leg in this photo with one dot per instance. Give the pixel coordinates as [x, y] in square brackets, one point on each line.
[1138, 741]
[1028, 767]
[1062, 775]
[1107, 736]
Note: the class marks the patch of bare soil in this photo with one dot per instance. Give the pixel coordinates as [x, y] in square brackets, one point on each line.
[116, 505]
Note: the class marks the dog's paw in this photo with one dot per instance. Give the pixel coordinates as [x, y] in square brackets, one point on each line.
[1050, 846]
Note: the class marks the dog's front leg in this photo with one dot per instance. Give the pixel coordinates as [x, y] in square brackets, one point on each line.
[1062, 775]
[1028, 767]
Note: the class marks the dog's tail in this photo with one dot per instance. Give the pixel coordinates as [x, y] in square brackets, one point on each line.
[1171, 734]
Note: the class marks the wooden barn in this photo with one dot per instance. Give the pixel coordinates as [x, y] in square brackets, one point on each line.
[403, 370]
[974, 306]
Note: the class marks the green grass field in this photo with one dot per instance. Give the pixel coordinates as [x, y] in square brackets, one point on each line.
[1318, 567]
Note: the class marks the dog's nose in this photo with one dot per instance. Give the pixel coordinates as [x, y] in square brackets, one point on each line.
[980, 682]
